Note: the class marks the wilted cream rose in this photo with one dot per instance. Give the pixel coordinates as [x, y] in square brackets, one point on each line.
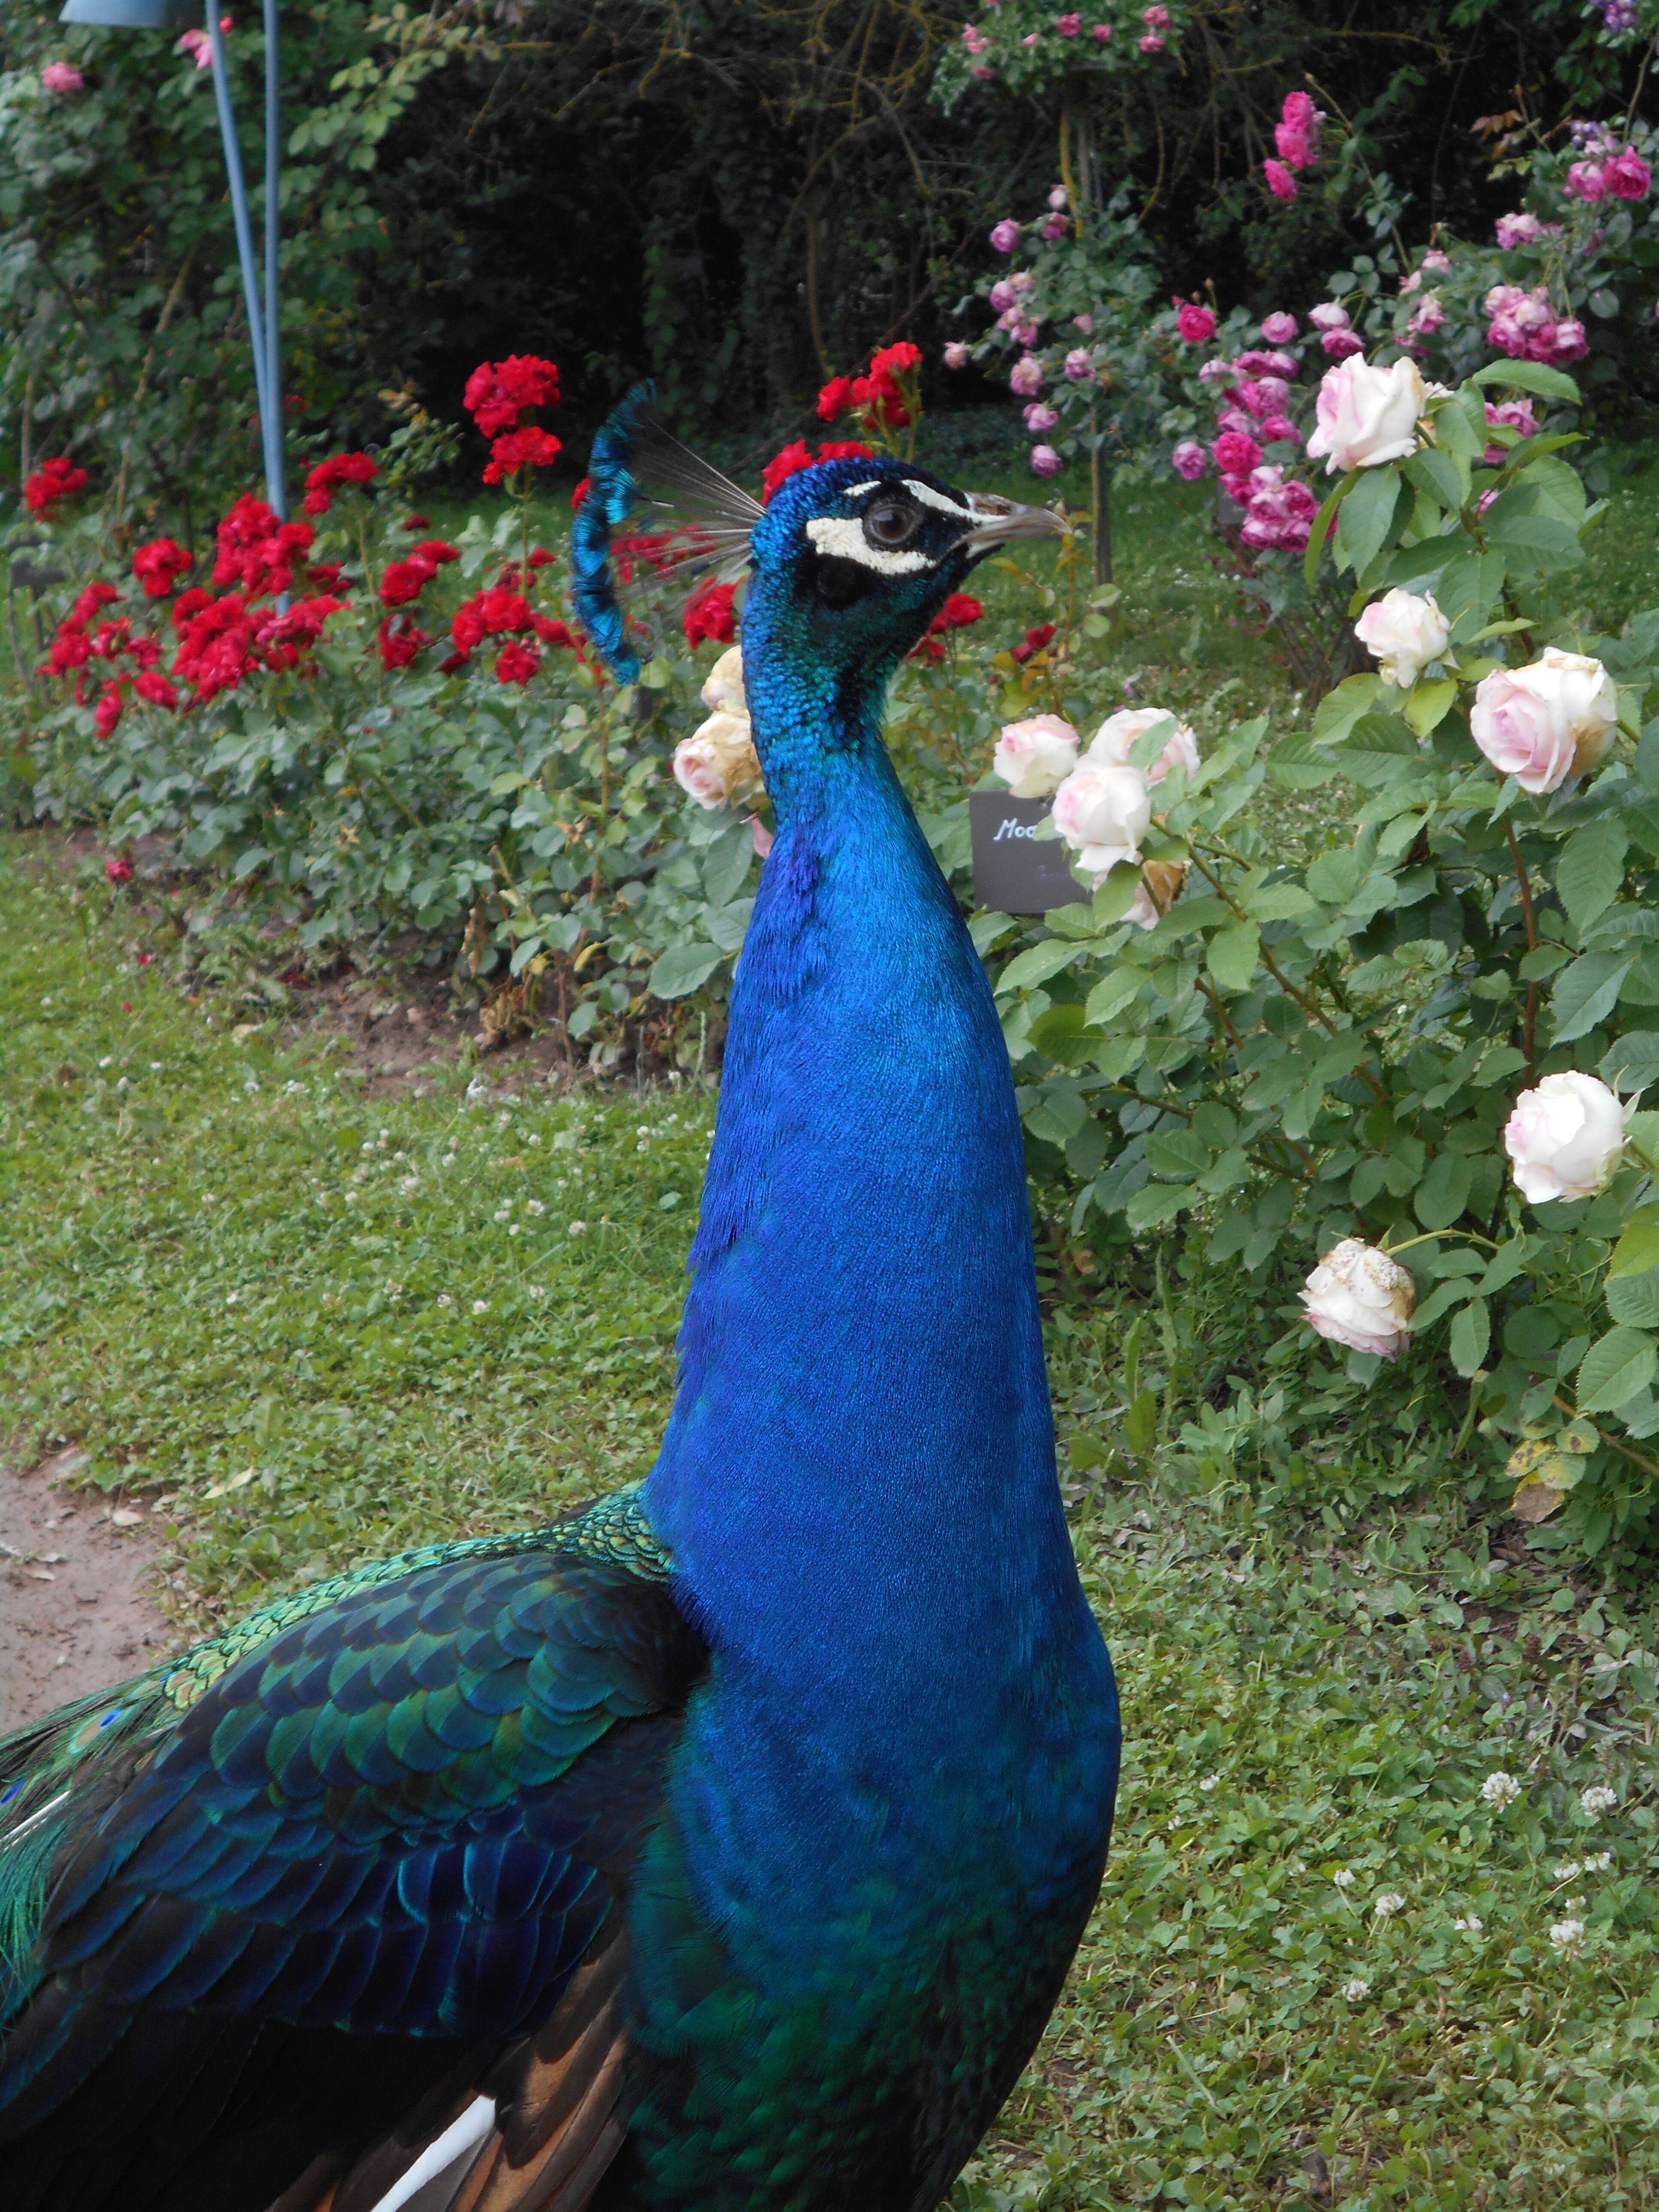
[1101, 811]
[1033, 757]
[1565, 1138]
[1359, 1296]
[1540, 724]
[717, 764]
[1366, 415]
[723, 688]
[1119, 732]
[1156, 892]
[1404, 630]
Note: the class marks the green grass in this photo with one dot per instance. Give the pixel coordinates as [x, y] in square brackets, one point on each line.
[228, 1293]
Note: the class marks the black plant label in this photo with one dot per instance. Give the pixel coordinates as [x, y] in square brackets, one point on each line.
[1016, 869]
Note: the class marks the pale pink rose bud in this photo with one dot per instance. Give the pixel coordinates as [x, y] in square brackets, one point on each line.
[1035, 757]
[1045, 461]
[1404, 630]
[1078, 367]
[718, 764]
[1039, 418]
[722, 688]
[1279, 330]
[956, 354]
[1003, 296]
[1103, 811]
[63, 76]
[1025, 378]
[1520, 229]
[1565, 1138]
[1058, 199]
[1329, 315]
[1540, 724]
[1189, 460]
[1367, 416]
[1119, 732]
[1054, 227]
[1359, 1296]
[1023, 281]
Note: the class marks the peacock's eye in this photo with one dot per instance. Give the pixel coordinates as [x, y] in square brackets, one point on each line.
[890, 522]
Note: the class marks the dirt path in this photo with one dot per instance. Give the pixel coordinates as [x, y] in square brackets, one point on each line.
[75, 1613]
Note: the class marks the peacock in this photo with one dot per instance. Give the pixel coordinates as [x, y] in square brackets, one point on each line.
[724, 1847]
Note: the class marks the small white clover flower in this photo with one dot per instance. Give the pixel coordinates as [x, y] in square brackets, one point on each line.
[538, 1291]
[577, 1227]
[1568, 1870]
[480, 1305]
[1500, 1790]
[108, 1061]
[1356, 1992]
[1598, 1799]
[516, 1229]
[1386, 1903]
[251, 1084]
[289, 1090]
[1469, 1923]
[1568, 1937]
[1210, 1781]
[1345, 1877]
[534, 1205]
[443, 1298]
[155, 1067]
[1598, 1862]
[502, 1214]
[408, 1183]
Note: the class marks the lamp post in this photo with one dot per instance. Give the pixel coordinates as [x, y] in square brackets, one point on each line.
[264, 323]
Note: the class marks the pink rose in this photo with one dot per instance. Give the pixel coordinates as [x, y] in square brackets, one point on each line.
[1068, 26]
[1340, 343]
[956, 355]
[1429, 316]
[63, 76]
[1280, 181]
[1295, 134]
[984, 71]
[1367, 416]
[1435, 259]
[976, 41]
[1586, 181]
[1234, 454]
[1101, 32]
[1189, 460]
[1039, 418]
[1078, 367]
[1518, 415]
[1059, 199]
[1151, 44]
[1034, 758]
[1026, 333]
[1542, 724]
[1054, 227]
[1025, 378]
[1279, 329]
[1045, 461]
[1570, 342]
[1083, 322]
[1215, 372]
[1196, 324]
[1005, 236]
[1329, 315]
[1002, 296]
[1235, 418]
[1278, 428]
[1627, 176]
[1521, 229]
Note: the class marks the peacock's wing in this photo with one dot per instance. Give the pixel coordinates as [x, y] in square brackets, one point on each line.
[297, 1913]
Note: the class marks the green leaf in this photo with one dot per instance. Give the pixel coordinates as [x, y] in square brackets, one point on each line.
[1438, 474]
[1444, 1193]
[1322, 525]
[1471, 1334]
[1156, 1203]
[1632, 1062]
[1622, 1362]
[1427, 705]
[1637, 1249]
[1591, 869]
[1529, 376]
[1036, 964]
[1232, 955]
[1339, 710]
[1362, 519]
[1380, 750]
[1536, 541]
[1635, 1300]
[1587, 993]
[684, 967]
[1112, 994]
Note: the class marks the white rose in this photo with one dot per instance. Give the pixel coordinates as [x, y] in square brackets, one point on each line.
[1366, 415]
[1103, 811]
[1119, 732]
[1565, 1138]
[1405, 631]
[723, 691]
[1033, 757]
[717, 763]
[1359, 1296]
[1540, 724]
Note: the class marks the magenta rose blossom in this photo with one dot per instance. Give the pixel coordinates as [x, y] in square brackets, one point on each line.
[1005, 236]
[1234, 454]
[1279, 330]
[1189, 460]
[956, 355]
[1340, 344]
[63, 76]
[1281, 183]
[1586, 180]
[1045, 461]
[1078, 367]
[1627, 176]
[1520, 229]
[1196, 323]
[1295, 135]
[1025, 377]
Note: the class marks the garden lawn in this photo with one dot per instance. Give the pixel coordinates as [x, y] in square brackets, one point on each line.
[309, 1325]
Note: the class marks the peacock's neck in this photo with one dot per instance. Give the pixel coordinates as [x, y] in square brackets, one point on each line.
[858, 1475]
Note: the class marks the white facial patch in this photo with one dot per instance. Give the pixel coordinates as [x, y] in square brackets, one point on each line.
[857, 491]
[929, 497]
[844, 539]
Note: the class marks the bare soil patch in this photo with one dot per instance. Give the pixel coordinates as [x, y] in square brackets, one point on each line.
[76, 1611]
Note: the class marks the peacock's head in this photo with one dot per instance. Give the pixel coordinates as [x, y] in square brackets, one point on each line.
[853, 559]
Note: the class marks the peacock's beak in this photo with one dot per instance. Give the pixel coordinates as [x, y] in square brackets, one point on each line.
[997, 520]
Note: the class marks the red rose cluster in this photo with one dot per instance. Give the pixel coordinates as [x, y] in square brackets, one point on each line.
[1035, 641]
[882, 399]
[959, 612]
[498, 395]
[333, 474]
[132, 661]
[502, 612]
[711, 614]
[257, 553]
[159, 565]
[783, 465]
[401, 638]
[52, 480]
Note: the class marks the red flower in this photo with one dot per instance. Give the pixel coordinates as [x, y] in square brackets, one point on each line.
[836, 398]
[145, 959]
[257, 552]
[896, 360]
[959, 610]
[215, 648]
[1035, 641]
[328, 477]
[580, 492]
[328, 576]
[404, 581]
[158, 565]
[70, 648]
[497, 392]
[540, 556]
[469, 629]
[503, 609]
[188, 603]
[285, 637]
[711, 614]
[87, 604]
[441, 553]
[119, 872]
[52, 481]
[553, 633]
[401, 642]
[108, 713]
[529, 448]
[112, 638]
[416, 522]
[158, 691]
[516, 664]
[783, 465]
[1194, 321]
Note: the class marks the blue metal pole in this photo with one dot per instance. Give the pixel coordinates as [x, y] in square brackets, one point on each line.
[244, 236]
[275, 432]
